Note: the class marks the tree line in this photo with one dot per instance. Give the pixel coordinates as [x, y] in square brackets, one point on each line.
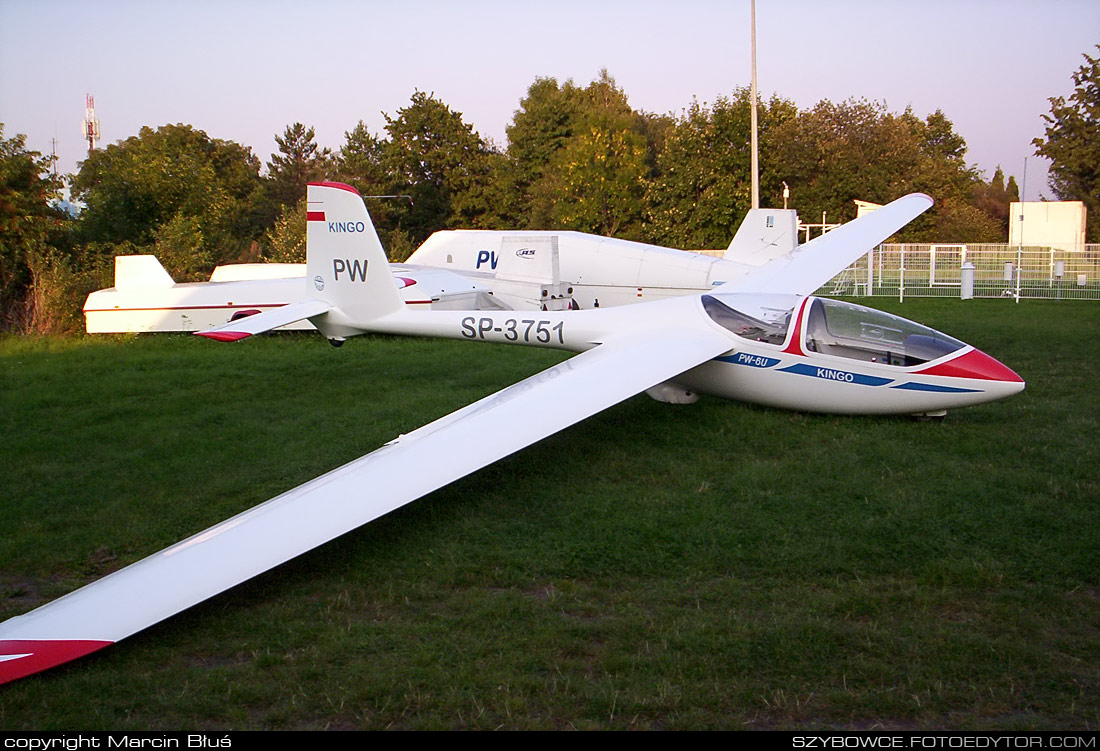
[577, 158]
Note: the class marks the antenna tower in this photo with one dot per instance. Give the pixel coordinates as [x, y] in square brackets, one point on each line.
[91, 125]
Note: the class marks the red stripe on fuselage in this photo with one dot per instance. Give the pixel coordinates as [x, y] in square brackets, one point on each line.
[186, 307]
[795, 345]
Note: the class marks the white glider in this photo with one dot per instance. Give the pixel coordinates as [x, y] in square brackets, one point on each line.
[762, 338]
[451, 270]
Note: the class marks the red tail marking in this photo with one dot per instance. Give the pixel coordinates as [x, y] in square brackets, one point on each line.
[341, 186]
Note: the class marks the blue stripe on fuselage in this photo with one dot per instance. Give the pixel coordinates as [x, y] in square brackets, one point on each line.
[911, 386]
[831, 374]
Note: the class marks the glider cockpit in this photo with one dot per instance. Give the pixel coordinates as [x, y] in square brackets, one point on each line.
[758, 318]
[832, 327]
[842, 329]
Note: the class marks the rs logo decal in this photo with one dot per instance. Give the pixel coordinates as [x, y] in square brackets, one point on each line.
[354, 268]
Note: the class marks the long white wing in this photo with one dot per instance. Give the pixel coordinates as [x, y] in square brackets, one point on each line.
[307, 516]
[803, 270]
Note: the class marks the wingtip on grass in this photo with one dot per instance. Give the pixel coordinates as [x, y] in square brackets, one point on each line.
[223, 336]
[20, 658]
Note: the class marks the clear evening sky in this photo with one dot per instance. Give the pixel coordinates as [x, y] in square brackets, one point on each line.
[243, 70]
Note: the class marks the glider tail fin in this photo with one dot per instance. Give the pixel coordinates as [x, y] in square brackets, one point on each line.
[348, 282]
[137, 272]
[345, 263]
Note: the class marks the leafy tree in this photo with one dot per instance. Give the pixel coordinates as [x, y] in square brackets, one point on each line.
[939, 139]
[180, 244]
[361, 162]
[993, 199]
[286, 241]
[541, 126]
[1072, 143]
[703, 188]
[579, 158]
[442, 162]
[28, 221]
[173, 188]
[836, 153]
[299, 161]
[600, 174]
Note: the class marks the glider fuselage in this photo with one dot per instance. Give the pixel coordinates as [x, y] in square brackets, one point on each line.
[870, 372]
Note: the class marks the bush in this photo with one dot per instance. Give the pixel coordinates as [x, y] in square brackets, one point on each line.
[57, 292]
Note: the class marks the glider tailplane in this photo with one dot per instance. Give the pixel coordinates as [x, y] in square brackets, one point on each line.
[345, 263]
[348, 280]
[263, 322]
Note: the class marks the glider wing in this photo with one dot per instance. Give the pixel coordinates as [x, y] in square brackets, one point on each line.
[403, 470]
[805, 269]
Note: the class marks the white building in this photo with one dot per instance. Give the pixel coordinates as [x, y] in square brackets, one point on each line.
[1055, 224]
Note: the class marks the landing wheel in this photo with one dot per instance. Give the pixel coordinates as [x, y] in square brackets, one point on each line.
[936, 416]
[337, 341]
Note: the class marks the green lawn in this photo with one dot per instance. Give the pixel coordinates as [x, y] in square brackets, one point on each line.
[716, 565]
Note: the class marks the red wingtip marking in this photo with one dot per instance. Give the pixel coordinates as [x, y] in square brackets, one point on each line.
[223, 336]
[22, 657]
[974, 364]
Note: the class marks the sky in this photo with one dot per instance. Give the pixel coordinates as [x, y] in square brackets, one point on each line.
[243, 70]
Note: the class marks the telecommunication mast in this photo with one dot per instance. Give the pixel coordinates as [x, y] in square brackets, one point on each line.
[91, 125]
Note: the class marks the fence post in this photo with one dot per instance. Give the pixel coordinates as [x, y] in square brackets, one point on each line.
[966, 281]
[901, 275]
[870, 272]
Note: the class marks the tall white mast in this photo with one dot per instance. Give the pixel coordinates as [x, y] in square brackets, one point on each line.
[755, 145]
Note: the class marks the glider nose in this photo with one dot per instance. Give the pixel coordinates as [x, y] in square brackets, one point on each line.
[977, 364]
[1000, 380]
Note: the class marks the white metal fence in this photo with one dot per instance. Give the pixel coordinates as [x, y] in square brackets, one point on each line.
[925, 270]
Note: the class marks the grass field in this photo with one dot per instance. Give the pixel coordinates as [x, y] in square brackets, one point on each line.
[708, 566]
